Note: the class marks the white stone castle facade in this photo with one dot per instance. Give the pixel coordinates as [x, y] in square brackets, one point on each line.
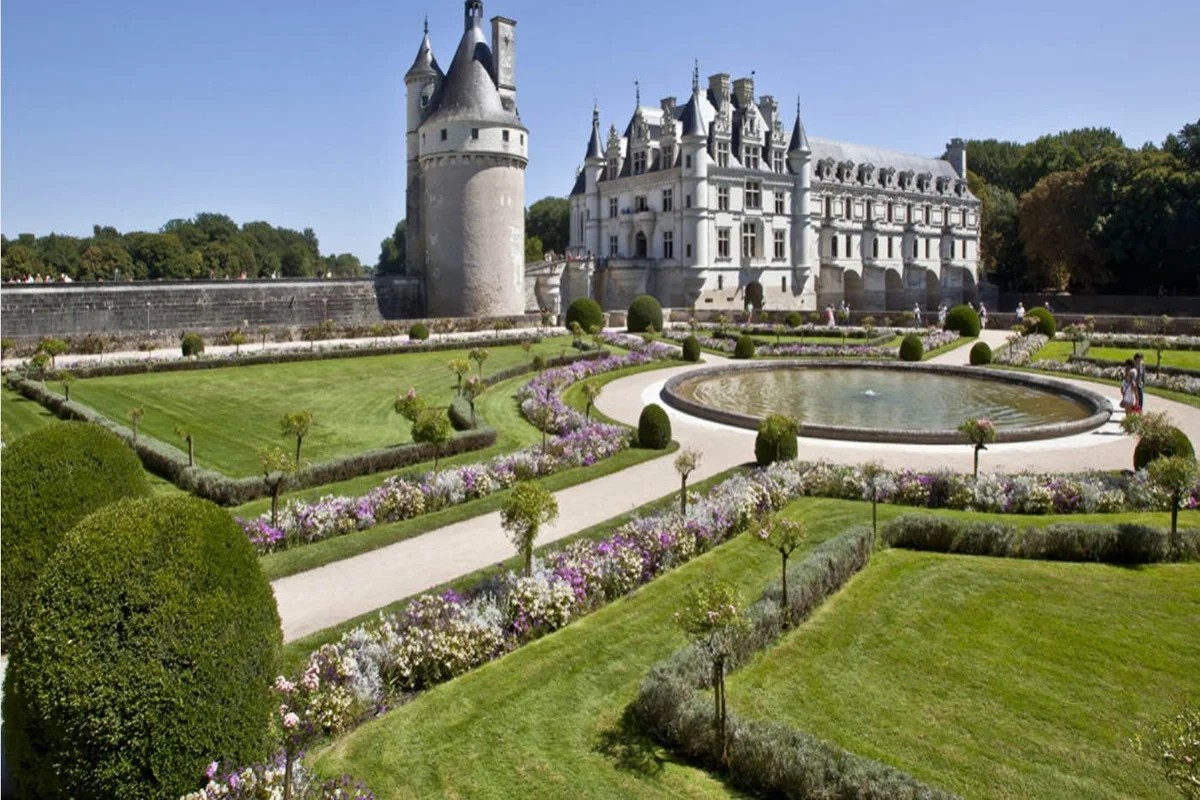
[467, 154]
[710, 204]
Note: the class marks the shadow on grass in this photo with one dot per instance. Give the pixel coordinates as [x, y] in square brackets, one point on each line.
[630, 749]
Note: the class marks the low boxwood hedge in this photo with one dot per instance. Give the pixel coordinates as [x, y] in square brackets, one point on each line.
[152, 653]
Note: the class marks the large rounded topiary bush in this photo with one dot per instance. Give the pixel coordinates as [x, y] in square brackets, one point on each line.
[644, 313]
[1174, 443]
[192, 344]
[152, 654]
[794, 319]
[776, 440]
[964, 320]
[981, 354]
[654, 428]
[911, 348]
[418, 332]
[586, 312]
[52, 479]
[691, 349]
[1044, 320]
[744, 347]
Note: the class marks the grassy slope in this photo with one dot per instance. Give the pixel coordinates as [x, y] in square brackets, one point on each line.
[20, 416]
[232, 412]
[547, 720]
[992, 678]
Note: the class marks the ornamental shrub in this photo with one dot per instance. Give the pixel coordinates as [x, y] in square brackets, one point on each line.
[52, 479]
[794, 319]
[418, 332]
[586, 312]
[1174, 443]
[964, 320]
[911, 348]
[152, 654]
[776, 440]
[691, 349]
[654, 428]
[644, 313]
[1044, 319]
[981, 354]
[744, 347]
[192, 344]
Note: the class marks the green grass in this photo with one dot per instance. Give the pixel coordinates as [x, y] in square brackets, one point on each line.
[1178, 397]
[1188, 359]
[992, 678]
[20, 415]
[1054, 351]
[549, 719]
[234, 411]
[962, 341]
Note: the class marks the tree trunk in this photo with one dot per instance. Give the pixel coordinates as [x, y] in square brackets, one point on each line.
[529, 559]
[287, 776]
[784, 608]
[874, 511]
[191, 452]
[723, 717]
[67, 389]
[683, 497]
[543, 439]
[1174, 523]
[716, 682]
[977, 462]
[135, 431]
[436, 453]
[472, 413]
[299, 439]
[587, 412]
[275, 503]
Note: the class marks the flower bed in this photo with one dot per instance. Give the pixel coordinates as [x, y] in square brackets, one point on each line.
[931, 340]
[576, 442]
[1020, 350]
[1184, 384]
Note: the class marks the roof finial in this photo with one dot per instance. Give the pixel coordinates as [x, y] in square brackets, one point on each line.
[637, 85]
[426, 23]
[595, 113]
[797, 106]
[696, 77]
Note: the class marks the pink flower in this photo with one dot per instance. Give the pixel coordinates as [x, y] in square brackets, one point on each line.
[290, 720]
[283, 685]
[212, 770]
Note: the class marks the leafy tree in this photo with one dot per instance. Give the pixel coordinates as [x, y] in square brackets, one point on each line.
[263, 332]
[53, 348]
[784, 536]
[591, 393]
[296, 423]
[186, 436]
[478, 355]
[393, 251]
[872, 471]
[66, 378]
[1061, 152]
[533, 250]
[158, 255]
[237, 339]
[297, 261]
[6, 346]
[432, 427]
[471, 391]
[105, 260]
[687, 462]
[277, 466]
[526, 509]
[1055, 220]
[460, 367]
[409, 405]
[978, 433]
[1177, 475]
[135, 414]
[39, 364]
[542, 415]
[60, 254]
[1185, 145]
[711, 617]
[549, 220]
[21, 260]
[995, 162]
[1175, 745]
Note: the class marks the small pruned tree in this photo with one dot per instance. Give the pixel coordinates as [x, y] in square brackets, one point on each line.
[979, 433]
[784, 536]
[471, 391]
[432, 427]
[542, 415]
[711, 617]
[1159, 343]
[186, 436]
[539, 363]
[277, 466]
[1177, 476]
[409, 405]
[66, 378]
[296, 423]
[546, 319]
[135, 414]
[149, 347]
[263, 332]
[527, 347]
[53, 348]
[576, 334]
[1174, 745]
[687, 462]
[591, 393]
[237, 339]
[597, 334]
[872, 471]
[479, 355]
[526, 509]
[40, 364]
[460, 367]
[6, 346]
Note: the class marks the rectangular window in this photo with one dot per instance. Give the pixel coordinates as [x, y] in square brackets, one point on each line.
[780, 202]
[689, 201]
[720, 282]
[752, 157]
[668, 245]
[781, 248]
[639, 162]
[964, 255]
[875, 247]
[687, 251]
[687, 161]
[848, 207]
[777, 161]
[443, 134]
[474, 133]
[871, 211]
[640, 204]
[667, 158]
[849, 249]
[833, 245]
[945, 215]
[522, 138]
[891, 212]
[753, 194]
[927, 248]
[612, 245]
[909, 213]
[783, 283]
[889, 247]
[668, 200]
[722, 198]
[612, 207]
[828, 207]
[722, 242]
[749, 240]
[505, 136]
[928, 215]
[914, 248]
[722, 154]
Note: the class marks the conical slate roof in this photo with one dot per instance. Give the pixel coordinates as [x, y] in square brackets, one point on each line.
[594, 149]
[468, 92]
[693, 125]
[425, 63]
[799, 137]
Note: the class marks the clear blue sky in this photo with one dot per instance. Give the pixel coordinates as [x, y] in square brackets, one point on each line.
[131, 113]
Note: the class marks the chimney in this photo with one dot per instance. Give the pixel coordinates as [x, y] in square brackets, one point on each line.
[743, 89]
[504, 59]
[668, 108]
[719, 86]
[956, 154]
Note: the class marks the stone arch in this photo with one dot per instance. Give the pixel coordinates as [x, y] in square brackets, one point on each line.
[895, 297]
[854, 291]
[933, 290]
[970, 290]
[754, 295]
[641, 245]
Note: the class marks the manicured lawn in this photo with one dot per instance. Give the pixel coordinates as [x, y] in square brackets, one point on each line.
[20, 415]
[962, 341]
[232, 412]
[1055, 351]
[993, 678]
[549, 720]
[1188, 359]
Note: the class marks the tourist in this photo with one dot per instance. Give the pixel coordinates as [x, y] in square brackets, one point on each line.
[1129, 396]
[1049, 307]
[982, 315]
[830, 320]
[1020, 312]
[942, 315]
[1139, 375]
[917, 313]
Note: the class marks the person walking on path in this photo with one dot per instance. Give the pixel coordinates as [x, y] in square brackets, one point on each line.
[1020, 312]
[982, 316]
[1139, 375]
[1129, 391]
[917, 313]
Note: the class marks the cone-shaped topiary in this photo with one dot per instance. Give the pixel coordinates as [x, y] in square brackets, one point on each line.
[691, 349]
[52, 479]
[964, 320]
[418, 332]
[1045, 321]
[911, 348]
[981, 354]
[744, 347]
[776, 440]
[644, 313]
[1174, 443]
[654, 428]
[152, 654]
[586, 312]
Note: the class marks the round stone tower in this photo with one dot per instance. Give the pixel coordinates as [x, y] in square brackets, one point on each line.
[473, 151]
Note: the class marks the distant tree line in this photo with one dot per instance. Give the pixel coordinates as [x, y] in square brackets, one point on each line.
[205, 246]
[1079, 211]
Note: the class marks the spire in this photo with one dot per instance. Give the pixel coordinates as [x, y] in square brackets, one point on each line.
[637, 87]
[696, 77]
[426, 23]
[799, 141]
[594, 150]
[424, 64]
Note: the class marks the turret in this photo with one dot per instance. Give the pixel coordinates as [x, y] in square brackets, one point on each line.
[693, 145]
[800, 161]
[593, 170]
[956, 154]
[420, 82]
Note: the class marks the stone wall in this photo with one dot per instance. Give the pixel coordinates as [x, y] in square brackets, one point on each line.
[130, 308]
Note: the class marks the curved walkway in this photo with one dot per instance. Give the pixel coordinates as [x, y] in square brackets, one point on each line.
[317, 599]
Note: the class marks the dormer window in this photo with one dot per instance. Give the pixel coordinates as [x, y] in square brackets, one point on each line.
[639, 162]
[722, 154]
[751, 156]
[668, 157]
[424, 101]
[612, 172]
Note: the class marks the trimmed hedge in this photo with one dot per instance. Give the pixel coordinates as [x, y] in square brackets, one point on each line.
[1176, 444]
[418, 331]
[1062, 541]
[691, 349]
[793, 319]
[644, 313]
[964, 319]
[192, 344]
[911, 348]
[770, 759]
[586, 312]
[52, 479]
[1045, 321]
[776, 440]
[460, 414]
[981, 354]
[153, 652]
[654, 428]
[744, 348]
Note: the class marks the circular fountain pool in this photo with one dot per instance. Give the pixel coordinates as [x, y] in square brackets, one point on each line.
[888, 401]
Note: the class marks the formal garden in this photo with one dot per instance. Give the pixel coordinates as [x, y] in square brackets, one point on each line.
[783, 627]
